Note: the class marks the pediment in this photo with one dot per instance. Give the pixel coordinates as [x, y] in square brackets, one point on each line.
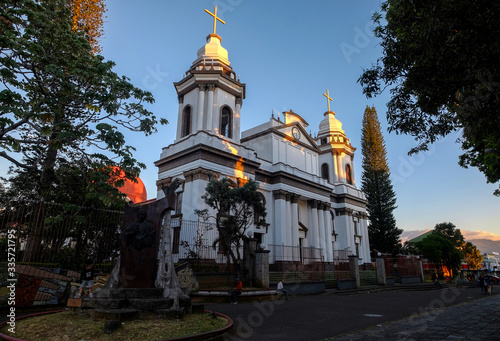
[295, 133]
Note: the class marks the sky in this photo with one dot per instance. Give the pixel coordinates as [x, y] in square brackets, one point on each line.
[288, 52]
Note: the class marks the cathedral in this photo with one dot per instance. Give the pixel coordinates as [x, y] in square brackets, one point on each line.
[315, 212]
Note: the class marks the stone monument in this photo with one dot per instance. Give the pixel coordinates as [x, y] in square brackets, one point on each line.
[144, 279]
[139, 245]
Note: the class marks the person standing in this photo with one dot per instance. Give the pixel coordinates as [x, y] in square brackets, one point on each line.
[487, 285]
[87, 278]
[481, 283]
[281, 288]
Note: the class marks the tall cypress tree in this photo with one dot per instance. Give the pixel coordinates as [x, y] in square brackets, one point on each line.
[377, 185]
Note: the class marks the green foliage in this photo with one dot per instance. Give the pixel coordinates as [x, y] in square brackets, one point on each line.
[234, 210]
[407, 249]
[450, 232]
[440, 251]
[472, 256]
[441, 66]
[377, 186]
[75, 185]
[68, 258]
[59, 102]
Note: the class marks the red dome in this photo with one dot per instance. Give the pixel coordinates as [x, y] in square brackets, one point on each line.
[135, 191]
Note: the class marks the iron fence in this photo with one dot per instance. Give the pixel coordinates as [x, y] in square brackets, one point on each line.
[341, 263]
[198, 242]
[408, 266]
[304, 255]
[389, 265]
[58, 235]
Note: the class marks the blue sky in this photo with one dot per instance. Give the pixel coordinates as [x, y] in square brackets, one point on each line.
[288, 53]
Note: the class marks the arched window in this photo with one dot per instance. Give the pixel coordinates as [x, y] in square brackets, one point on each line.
[186, 121]
[348, 174]
[226, 122]
[325, 172]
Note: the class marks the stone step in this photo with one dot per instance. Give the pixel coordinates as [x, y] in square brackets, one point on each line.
[104, 303]
[136, 293]
[398, 287]
[113, 314]
[144, 304]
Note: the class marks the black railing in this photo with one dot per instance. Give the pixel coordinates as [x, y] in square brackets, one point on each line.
[38, 232]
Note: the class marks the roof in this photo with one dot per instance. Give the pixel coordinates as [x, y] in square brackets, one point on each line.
[419, 238]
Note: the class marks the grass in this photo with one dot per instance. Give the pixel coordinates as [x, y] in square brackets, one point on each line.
[69, 325]
[4, 291]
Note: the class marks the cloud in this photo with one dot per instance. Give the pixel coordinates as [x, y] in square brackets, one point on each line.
[468, 235]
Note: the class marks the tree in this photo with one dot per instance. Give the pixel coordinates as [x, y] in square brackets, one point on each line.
[87, 17]
[450, 232]
[82, 208]
[377, 186]
[472, 256]
[441, 66]
[440, 251]
[234, 210]
[60, 101]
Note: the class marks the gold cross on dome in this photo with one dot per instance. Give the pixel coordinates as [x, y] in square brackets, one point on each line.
[327, 95]
[215, 17]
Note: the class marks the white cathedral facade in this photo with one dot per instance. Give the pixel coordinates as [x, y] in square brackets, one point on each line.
[308, 183]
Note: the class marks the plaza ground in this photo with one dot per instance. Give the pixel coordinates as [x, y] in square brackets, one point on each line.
[449, 313]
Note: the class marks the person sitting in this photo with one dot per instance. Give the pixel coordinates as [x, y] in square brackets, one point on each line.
[236, 291]
[281, 289]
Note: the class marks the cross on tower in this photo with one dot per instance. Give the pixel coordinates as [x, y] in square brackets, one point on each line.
[328, 99]
[215, 17]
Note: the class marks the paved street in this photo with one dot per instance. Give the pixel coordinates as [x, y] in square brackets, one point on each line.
[477, 320]
[447, 314]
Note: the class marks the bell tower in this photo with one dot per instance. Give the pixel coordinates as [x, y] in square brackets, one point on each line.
[210, 96]
[336, 152]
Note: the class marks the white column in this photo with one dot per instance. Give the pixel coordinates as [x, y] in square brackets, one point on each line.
[328, 233]
[236, 119]
[366, 239]
[336, 167]
[286, 232]
[294, 235]
[295, 220]
[179, 117]
[342, 174]
[321, 228]
[201, 105]
[279, 220]
[314, 223]
[210, 107]
[216, 112]
[187, 198]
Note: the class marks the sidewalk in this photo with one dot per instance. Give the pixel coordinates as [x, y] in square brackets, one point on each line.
[450, 313]
[477, 320]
